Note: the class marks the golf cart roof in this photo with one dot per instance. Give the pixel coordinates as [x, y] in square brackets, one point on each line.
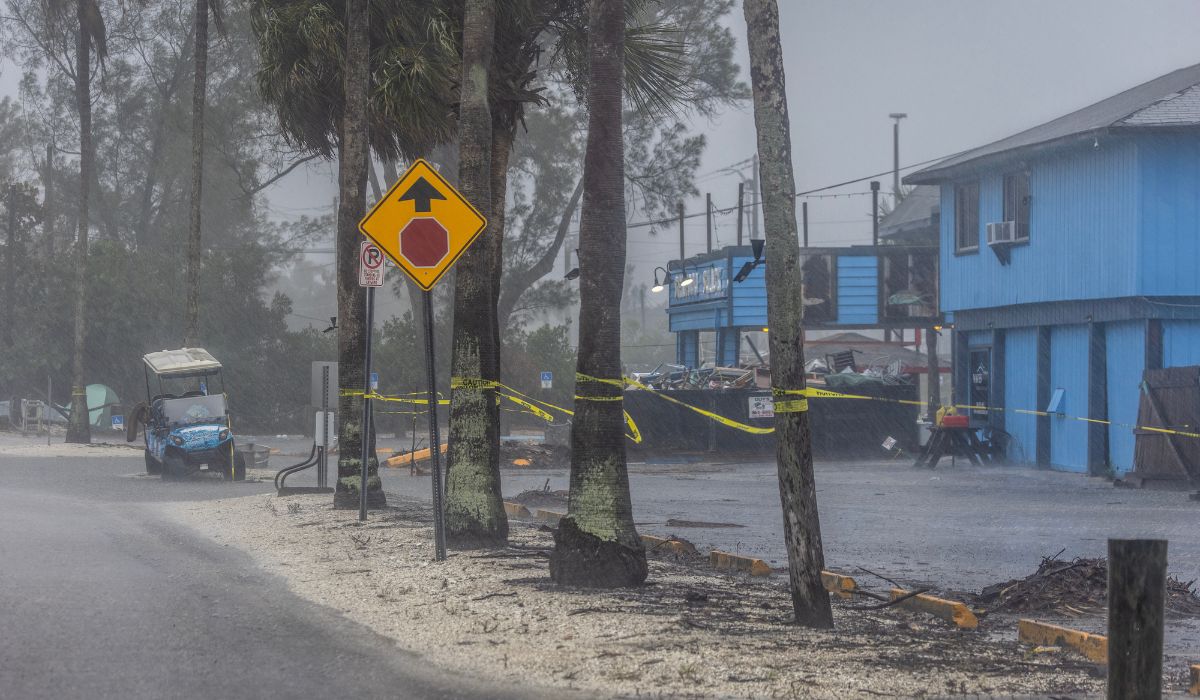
[181, 361]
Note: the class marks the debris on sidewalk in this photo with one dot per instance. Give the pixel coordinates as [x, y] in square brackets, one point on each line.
[688, 632]
[1074, 588]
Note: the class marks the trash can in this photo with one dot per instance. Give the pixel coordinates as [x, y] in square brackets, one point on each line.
[256, 456]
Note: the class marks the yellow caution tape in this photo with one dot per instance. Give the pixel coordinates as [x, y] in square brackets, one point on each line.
[792, 406]
[375, 396]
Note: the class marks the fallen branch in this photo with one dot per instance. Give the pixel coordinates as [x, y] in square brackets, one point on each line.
[890, 603]
[495, 595]
[894, 582]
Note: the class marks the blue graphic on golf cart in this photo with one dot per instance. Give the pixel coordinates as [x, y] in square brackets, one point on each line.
[186, 426]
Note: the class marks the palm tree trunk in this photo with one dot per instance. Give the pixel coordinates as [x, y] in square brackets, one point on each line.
[793, 452]
[597, 544]
[352, 201]
[191, 336]
[474, 510]
[79, 428]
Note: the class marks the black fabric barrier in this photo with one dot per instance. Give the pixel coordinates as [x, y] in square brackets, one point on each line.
[842, 428]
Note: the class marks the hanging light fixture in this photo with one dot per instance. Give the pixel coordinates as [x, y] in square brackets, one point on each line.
[659, 286]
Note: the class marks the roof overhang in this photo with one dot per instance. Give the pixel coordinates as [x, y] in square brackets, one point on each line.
[181, 361]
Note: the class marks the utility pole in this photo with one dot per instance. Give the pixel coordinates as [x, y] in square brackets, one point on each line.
[741, 195]
[708, 219]
[804, 221]
[896, 116]
[10, 264]
[48, 200]
[681, 232]
[755, 198]
[875, 212]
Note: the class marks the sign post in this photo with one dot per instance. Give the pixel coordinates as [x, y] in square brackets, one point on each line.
[370, 275]
[424, 225]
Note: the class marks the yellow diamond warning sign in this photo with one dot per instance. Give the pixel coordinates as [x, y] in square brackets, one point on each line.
[423, 224]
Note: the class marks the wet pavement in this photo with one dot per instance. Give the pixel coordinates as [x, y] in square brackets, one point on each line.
[956, 528]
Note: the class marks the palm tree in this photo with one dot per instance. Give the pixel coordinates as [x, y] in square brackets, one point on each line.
[793, 451]
[92, 35]
[474, 510]
[597, 544]
[394, 97]
[200, 32]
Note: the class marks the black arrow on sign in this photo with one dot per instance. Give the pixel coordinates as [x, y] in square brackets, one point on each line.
[421, 193]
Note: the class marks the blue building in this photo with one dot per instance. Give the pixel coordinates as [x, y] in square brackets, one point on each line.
[1069, 263]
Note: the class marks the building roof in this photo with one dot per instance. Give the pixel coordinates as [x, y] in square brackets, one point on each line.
[912, 220]
[1171, 100]
[182, 361]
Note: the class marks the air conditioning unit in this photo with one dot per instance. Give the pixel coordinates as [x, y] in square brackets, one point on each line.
[1002, 233]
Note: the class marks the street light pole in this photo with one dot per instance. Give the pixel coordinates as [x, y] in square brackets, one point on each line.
[896, 116]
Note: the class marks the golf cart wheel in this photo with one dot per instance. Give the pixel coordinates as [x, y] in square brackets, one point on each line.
[153, 466]
[175, 467]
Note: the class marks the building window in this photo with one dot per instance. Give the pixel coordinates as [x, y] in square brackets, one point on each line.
[1016, 203]
[966, 218]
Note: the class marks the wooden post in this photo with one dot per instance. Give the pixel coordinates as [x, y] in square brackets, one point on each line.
[708, 221]
[1137, 588]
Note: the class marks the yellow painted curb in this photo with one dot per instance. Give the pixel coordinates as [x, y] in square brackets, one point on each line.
[409, 457]
[661, 543]
[949, 610]
[516, 510]
[1195, 685]
[384, 450]
[736, 562]
[843, 586]
[1092, 646]
[549, 516]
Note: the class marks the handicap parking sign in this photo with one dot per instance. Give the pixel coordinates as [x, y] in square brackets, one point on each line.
[547, 380]
[118, 422]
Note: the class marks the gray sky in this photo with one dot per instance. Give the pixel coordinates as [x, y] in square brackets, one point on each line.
[966, 72]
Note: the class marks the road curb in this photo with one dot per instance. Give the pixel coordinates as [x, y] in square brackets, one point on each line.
[736, 562]
[548, 516]
[1093, 646]
[404, 460]
[949, 610]
[516, 510]
[661, 543]
[843, 586]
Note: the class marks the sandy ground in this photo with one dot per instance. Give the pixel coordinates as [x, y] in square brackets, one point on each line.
[33, 446]
[689, 632]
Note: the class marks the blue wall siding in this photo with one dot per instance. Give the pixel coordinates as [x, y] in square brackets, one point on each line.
[1068, 370]
[749, 295]
[701, 316]
[1181, 343]
[858, 289]
[1020, 392]
[1084, 210]
[1170, 214]
[1126, 344]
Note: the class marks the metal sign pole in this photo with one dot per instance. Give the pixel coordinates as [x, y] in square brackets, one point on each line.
[365, 430]
[323, 456]
[435, 443]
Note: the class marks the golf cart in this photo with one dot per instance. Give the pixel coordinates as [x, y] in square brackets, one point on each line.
[186, 419]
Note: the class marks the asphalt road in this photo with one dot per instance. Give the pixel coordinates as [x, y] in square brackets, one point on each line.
[100, 597]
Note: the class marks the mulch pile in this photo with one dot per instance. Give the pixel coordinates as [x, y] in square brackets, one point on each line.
[1074, 588]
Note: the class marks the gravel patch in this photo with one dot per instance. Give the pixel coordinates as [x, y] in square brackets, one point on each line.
[689, 632]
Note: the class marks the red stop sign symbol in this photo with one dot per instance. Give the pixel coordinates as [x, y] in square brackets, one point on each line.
[424, 242]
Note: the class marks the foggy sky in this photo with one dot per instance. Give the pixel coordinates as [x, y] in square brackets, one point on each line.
[966, 71]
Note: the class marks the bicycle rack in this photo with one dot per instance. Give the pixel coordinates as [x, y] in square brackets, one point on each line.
[313, 459]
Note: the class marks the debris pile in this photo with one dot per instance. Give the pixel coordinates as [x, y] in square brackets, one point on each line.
[1074, 588]
[540, 498]
[532, 455]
